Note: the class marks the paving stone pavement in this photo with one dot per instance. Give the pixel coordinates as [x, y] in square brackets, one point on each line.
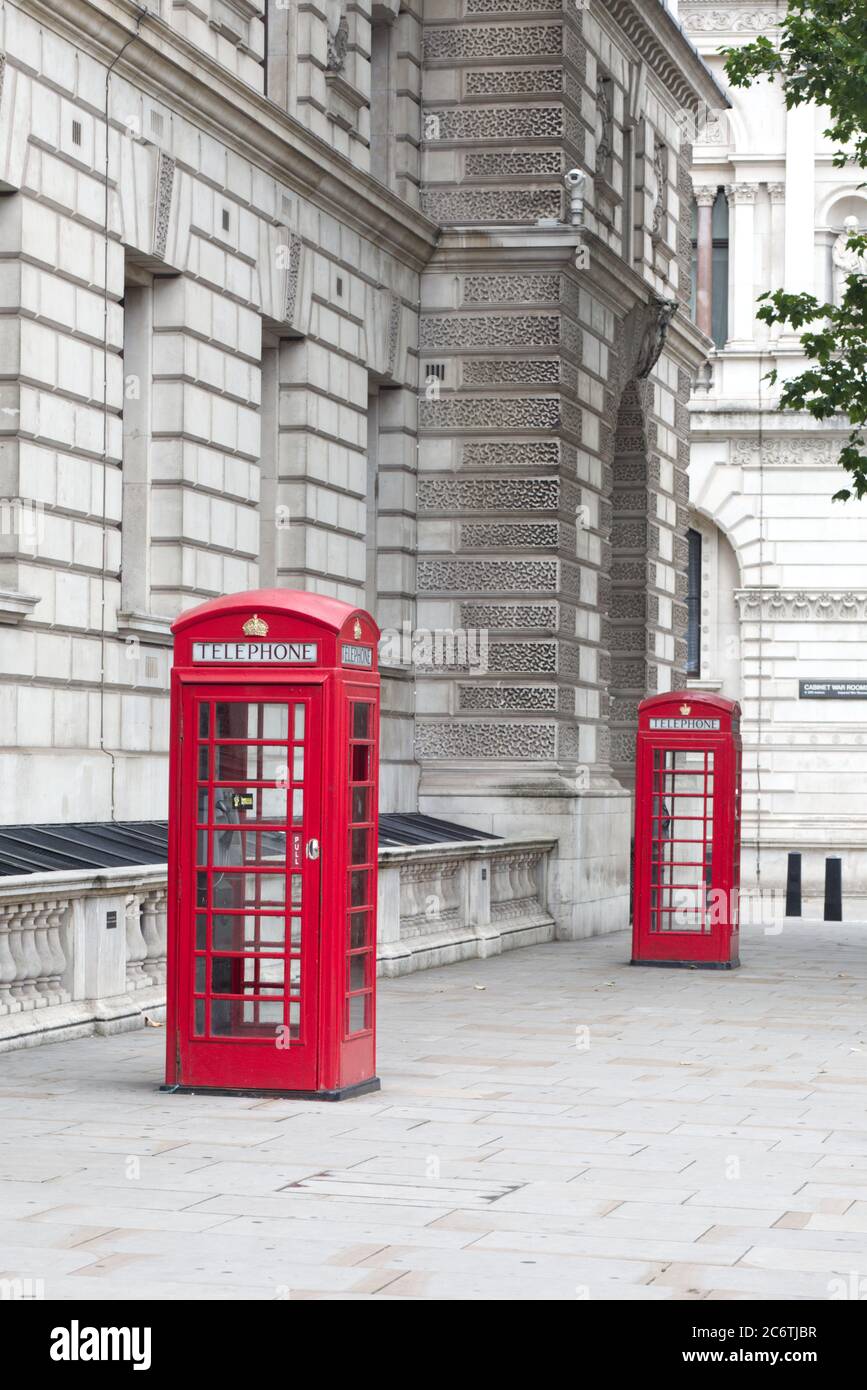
[552, 1125]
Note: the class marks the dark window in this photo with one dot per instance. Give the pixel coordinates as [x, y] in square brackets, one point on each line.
[720, 273]
[693, 605]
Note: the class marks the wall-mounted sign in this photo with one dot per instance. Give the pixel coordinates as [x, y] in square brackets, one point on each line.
[351, 654]
[701, 724]
[243, 801]
[832, 690]
[281, 653]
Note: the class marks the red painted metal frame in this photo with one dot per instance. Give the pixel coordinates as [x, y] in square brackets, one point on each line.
[715, 881]
[339, 1063]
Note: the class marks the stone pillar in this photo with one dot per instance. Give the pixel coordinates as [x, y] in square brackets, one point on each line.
[800, 211]
[705, 198]
[777, 194]
[742, 289]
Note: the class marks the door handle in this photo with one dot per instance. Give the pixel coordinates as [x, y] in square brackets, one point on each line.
[312, 849]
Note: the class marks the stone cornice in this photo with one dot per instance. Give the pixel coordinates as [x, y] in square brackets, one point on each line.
[163, 63]
[668, 52]
[802, 605]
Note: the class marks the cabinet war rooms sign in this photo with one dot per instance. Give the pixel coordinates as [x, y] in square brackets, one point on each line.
[833, 690]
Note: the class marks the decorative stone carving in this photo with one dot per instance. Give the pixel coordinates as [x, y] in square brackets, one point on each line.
[293, 268]
[394, 318]
[513, 164]
[511, 454]
[498, 576]
[511, 371]
[662, 311]
[462, 739]
[531, 699]
[660, 202]
[504, 535]
[515, 658]
[604, 125]
[483, 494]
[511, 289]
[510, 615]
[795, 605]
[510, 6]
[513, 81]
[845, 261]
[492, 41]
[491, 204]
[490, 413]
[730, 21]
[495, 123]
[628, 534]
[338, 42]
[786, 453]
[741, 193]
[165, 181]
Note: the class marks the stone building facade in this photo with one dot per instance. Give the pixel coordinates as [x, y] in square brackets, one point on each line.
[781, 582]
[302, 296]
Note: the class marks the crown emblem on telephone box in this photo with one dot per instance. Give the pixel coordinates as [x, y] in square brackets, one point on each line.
[356, 631]
[255, 627]
[685, 709]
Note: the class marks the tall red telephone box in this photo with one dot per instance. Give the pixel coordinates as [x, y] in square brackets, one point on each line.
[273, 847]
[687, 831]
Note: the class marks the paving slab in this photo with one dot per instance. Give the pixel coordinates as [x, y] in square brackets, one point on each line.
[576, 1130]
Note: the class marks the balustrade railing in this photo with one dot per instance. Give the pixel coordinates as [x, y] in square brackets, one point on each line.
[86, 952]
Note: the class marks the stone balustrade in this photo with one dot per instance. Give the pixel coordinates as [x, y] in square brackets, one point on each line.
[444, 903]
[81, 952]
[85, 952]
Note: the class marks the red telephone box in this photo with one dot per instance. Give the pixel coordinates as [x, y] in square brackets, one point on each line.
[273, 847]
[687, 831]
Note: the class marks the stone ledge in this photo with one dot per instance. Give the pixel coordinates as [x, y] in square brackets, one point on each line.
[83, 1018]
[15, 605]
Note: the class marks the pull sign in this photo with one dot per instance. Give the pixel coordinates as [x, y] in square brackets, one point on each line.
[296, 849]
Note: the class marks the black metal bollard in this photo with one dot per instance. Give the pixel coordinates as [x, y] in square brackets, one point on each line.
[833, 890]
[793, 886]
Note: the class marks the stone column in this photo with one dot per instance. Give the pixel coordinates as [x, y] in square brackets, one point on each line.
[777, 194]
[705, 198]
[800, 210]
[742, 290]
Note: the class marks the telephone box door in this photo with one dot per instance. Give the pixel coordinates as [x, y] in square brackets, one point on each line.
[687, 846]
[249, 863]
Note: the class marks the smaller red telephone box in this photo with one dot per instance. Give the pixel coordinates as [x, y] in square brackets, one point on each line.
[273, 847]
[687, 831]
